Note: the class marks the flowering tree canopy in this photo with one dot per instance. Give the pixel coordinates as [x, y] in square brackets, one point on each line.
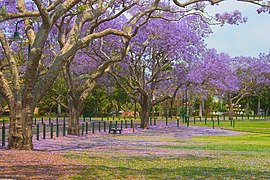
[38, 38]
[158, 60]
[54, 31]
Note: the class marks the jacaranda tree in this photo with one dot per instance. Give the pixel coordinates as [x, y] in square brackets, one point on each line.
[158, 56]
[53, 32]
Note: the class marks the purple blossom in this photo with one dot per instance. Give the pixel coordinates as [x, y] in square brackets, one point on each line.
[234, 17]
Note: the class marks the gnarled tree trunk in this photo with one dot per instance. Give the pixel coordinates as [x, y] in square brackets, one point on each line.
[145, 105]
[74, 118]
[20, 132]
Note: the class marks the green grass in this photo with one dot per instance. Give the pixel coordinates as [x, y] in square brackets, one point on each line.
[248, 144]
[254, 126]
[246, 156]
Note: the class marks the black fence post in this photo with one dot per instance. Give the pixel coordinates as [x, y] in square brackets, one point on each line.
[37, 131]
[44, 131]
[64, 127]
[93, 127]
[3, 134]
[51, 130]
[82, 128]
[86, 127]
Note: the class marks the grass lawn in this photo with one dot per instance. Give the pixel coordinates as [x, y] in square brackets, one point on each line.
[255, 126]
[164, 156]
[161, 152]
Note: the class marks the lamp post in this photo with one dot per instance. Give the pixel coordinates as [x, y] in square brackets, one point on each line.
[16, 33]
[16, 37]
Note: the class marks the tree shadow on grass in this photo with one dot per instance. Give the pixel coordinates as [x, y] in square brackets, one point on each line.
[191, 172]
[27, 171]
[21, 164]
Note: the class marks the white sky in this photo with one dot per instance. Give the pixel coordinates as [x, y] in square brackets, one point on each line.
[247, 39]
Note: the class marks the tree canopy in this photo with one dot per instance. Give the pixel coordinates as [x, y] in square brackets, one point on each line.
[153, 43]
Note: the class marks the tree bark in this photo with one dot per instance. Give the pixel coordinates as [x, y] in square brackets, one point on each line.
[145, 113]
[230, 108]
[247, 108]
[59, 109]
[74, 118]
[1, 106]
[259, 106]
[20, 132]
[201, 107]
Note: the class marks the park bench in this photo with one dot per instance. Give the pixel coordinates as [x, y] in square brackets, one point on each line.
[114, 129]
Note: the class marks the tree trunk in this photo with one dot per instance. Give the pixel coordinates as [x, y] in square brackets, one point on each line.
[118, 109]
[1, 106]
[59, 109]
[267, 111]
[161, 111]
[259, 106]
[230, 108]
[201, 107]
[74, 118]
[145, 113]
[20, 131]
[178, 111]
[247, 108]
[144, 116]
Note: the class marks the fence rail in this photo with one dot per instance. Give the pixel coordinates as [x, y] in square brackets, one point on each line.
[44, 128]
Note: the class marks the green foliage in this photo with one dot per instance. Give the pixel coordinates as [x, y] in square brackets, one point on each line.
[81, 8]
[102, 102]
[211, 105]
[3, 10]
[49, 102]
[97, 102]
[119, 95]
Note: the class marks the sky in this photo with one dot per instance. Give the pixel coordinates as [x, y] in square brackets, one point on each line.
[248, 39]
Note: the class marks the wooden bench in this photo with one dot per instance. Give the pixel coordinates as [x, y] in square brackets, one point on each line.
[113, 129]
